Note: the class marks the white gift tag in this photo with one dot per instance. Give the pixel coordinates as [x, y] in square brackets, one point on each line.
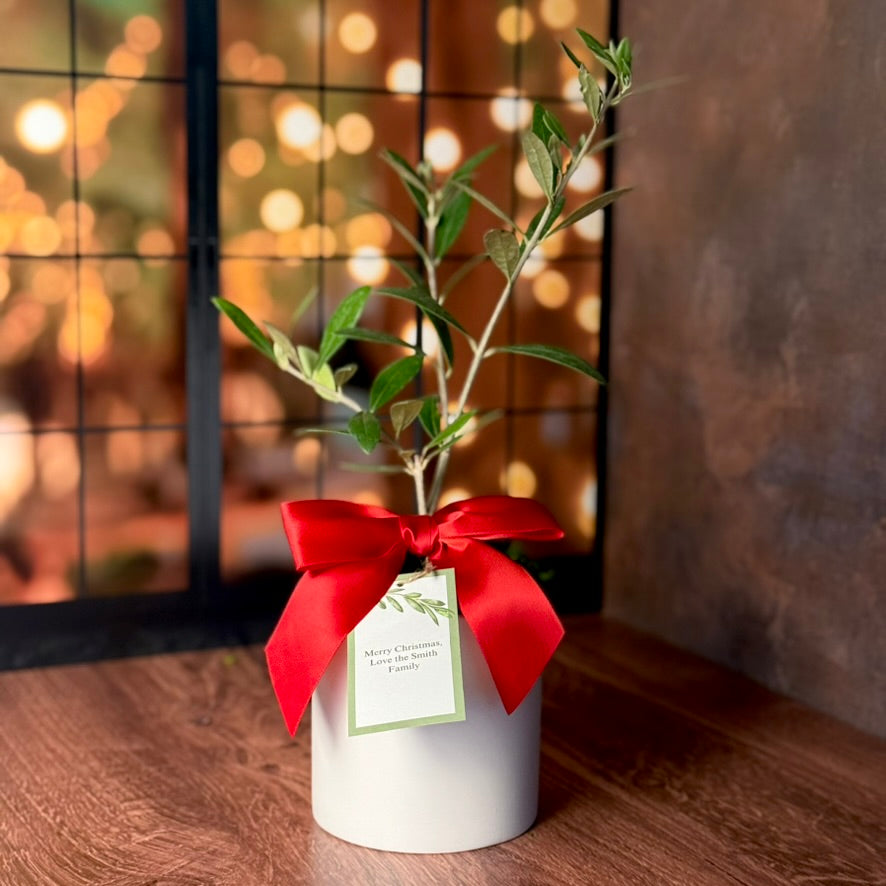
[404, 658]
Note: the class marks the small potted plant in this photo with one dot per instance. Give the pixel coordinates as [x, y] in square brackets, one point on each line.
[464, 774]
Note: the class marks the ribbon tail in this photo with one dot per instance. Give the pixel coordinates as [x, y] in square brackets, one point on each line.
[323, 609]
[515, 625]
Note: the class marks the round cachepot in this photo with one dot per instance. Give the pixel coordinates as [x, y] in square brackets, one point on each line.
[448, 787]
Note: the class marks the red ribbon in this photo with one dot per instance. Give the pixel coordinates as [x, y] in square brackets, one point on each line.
[351, 554]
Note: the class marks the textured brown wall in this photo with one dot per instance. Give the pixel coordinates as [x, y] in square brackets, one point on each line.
[747, 460]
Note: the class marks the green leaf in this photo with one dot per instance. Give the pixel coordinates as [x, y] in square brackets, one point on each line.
[308, 359]
[556, 209]
[590, 92]
[572, 56]
[374, 335]
[364, 427]
[444, 337]
[381, 604]
[463, 173]
[430, 415]
[302, 432]
[419, 296]
[599, 51]
[452, 223]
[452, 430]
[599, 202]
[303, 305]
[410, 178]
[392, 379]
[284, 350]
[504, 250]
[404, 413]
[346, 315]
[396, 604]
[409, 273]
[539, 162]
[324, 378]
[415, 604]
[486, 204]
[554, 354]
[241, 320]
[545, 124]
[344, 374]
[433, 617]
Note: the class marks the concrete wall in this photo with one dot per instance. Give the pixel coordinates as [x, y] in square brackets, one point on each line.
[746, 513]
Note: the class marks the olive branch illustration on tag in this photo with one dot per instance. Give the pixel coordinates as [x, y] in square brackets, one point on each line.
[423, 605]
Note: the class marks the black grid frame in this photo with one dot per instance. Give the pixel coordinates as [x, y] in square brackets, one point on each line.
[208, 611]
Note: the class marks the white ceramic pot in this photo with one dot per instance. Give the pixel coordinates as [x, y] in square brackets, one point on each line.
[443, 788]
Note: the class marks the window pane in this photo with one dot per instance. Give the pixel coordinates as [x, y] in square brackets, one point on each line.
[38, 340]
[271, 142]
[131, 162]
[374, 43]
[269, 41]
[355, 175]
[36, 34]
[131, 341]
[472, 45]
[35, 164]
[552, 461]
[39, 526]
[262, 468]
[286, 295]
[560, 304]
[131, 39]
[136, 488]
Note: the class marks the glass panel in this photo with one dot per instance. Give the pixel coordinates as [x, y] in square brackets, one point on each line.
[36, 34]
[131, 162]
[477, 465]
[472, 45]
[38, 340]
[374, 43]
[262, 467]
[392, 491]
[39, 535]
[136, 487]
[35, 165]
[131, 39]
[458, 129]
[269, 41]
[131, 338]
[559, 304]
[282, 293]
[271, 142]
[553, 462]
[545, 68]
[364, 124]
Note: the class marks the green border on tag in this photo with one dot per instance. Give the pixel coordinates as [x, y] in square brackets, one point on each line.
[457, 683]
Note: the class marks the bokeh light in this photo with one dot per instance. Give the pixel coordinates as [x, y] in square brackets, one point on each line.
[551, 289]
[143, 34]
[404, 75]
[246, 157]
[354, 133]
[588, 177]
[281, 210]
[298, 125]
[357, 32]
[510, 113]
[368, 265]
[587, 313]
[515, 25]
[368, 229]
[442, 149]
[519, 480]
[41, 126]
[558, 13]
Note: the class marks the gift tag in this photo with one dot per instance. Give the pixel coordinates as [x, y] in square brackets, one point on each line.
[404, 658]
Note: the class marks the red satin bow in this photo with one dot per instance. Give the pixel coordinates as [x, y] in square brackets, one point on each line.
[351, 554]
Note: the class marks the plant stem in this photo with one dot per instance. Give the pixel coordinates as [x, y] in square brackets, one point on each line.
[418, 478]
[528, 248]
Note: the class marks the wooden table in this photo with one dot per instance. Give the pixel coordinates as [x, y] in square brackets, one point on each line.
[657, 768]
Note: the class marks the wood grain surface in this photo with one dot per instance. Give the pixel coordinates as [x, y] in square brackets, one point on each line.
[657, 768]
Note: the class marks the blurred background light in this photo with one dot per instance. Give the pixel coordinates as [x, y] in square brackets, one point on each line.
[41, 126]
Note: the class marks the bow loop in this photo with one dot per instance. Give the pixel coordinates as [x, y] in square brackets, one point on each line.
[421, 536]
[351, 555]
